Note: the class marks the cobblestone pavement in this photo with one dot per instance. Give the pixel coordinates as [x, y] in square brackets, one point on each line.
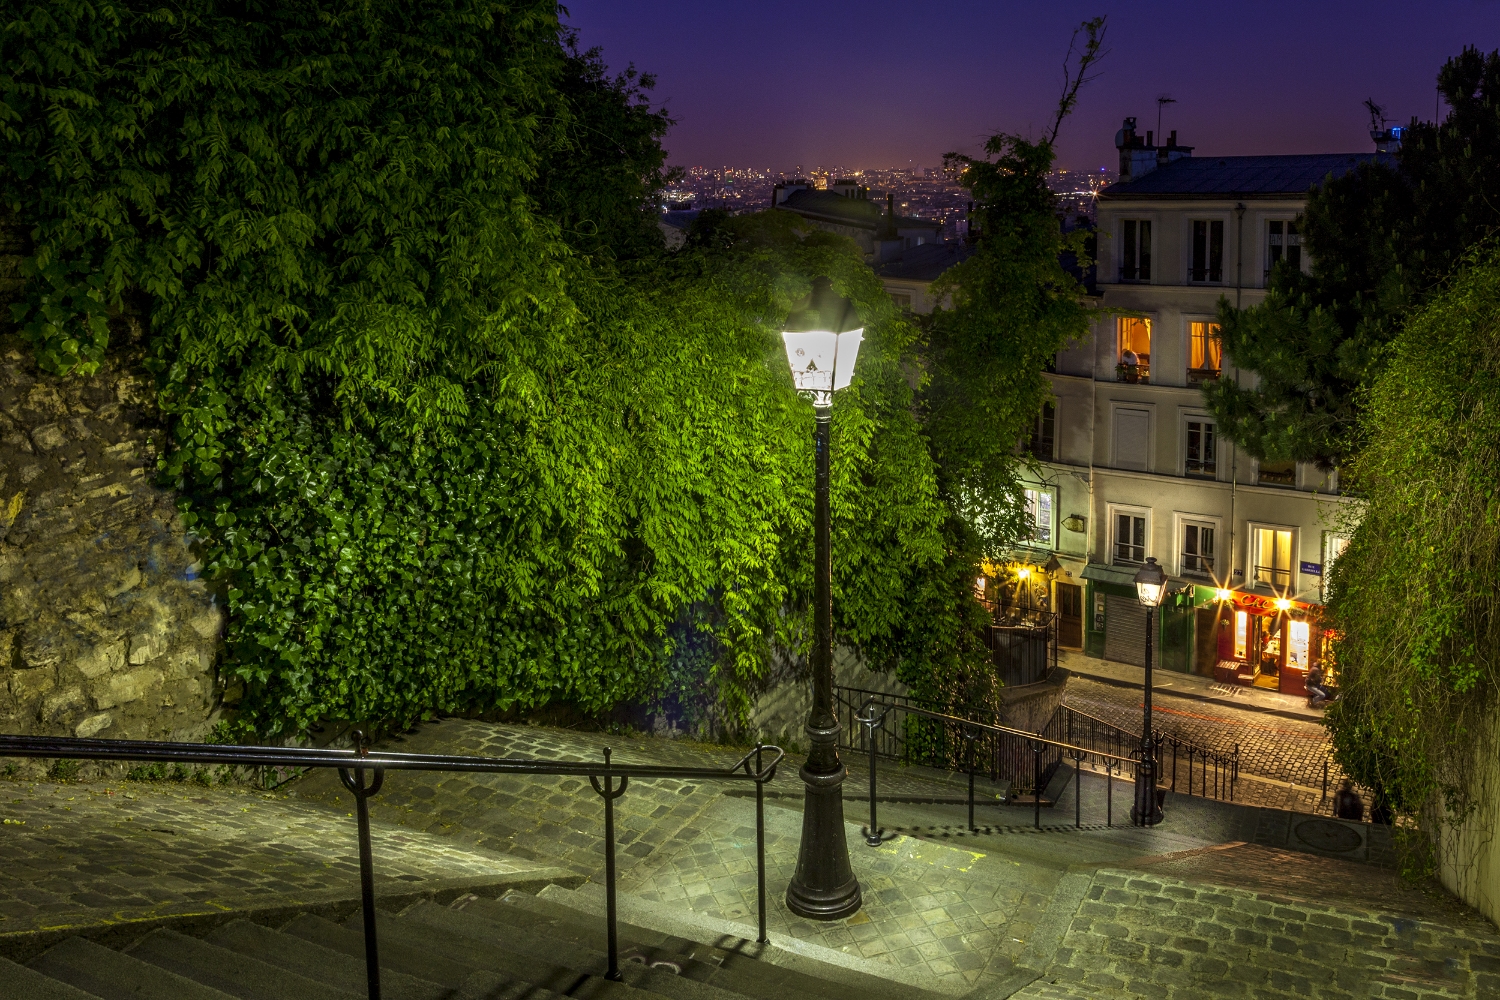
[1271, 747]
[1096, 910]
[80, 854]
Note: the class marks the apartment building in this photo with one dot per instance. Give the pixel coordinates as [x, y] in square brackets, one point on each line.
[1129, 463]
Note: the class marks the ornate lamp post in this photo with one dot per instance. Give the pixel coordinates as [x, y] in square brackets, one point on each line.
[822, 341]
[1150, 587]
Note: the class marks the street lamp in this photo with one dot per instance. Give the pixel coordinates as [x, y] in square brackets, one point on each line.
[822, 341]
[1150, 587]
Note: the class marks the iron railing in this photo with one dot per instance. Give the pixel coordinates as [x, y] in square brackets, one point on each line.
[1216, 772]
[1002, 750]
[362, 772]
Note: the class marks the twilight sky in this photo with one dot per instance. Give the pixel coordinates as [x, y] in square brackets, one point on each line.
[884, 83]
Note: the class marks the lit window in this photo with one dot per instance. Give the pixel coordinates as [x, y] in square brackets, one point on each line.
[1273, 557]
[1039, 515]
[1277, 473]
[1297, 645]
[1241, 634]
[1133, 349]
[1205, 353]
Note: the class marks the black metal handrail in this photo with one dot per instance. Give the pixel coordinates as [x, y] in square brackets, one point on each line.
[1223, 767]
[872, 716]
[352, 765]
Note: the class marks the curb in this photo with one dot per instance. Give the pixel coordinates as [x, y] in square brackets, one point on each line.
[1211, 699]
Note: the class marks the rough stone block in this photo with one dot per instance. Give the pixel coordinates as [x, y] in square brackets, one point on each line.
[101, 659]
[94, 725]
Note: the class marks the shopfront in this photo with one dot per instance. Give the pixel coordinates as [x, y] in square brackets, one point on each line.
[1267, 642]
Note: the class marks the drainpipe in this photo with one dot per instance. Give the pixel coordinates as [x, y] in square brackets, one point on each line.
[1239, 251]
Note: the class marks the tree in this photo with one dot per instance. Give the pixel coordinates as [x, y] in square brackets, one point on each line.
[1381, 238]
[1415, 598]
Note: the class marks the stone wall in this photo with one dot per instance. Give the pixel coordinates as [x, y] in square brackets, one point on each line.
[105, 627]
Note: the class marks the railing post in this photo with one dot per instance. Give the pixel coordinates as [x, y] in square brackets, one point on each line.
[362, 793]
[1324, 799]
[1036, 783]
[1109, 792]
[760, 845]
[870, 720]
[1077, 788]
[609, 793]
[970, 739]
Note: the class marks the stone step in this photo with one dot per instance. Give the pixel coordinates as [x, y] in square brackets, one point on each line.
[416, 935]
[857, 978]
[20, 983]
[111, 975]
[541, 944]
[230, 971]
[733, 970]
[415, 962]
[298, 955]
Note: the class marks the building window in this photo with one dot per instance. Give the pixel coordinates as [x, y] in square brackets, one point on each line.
[902, 300]
[1136, 255]
[1276, 473]
[1132, 439]
[1130, 537]
[1208, 250]
[1283, 243]
[1039, 515]
[1271, 557]
[1200, 459]
[1205, 353]
[1044, 434]
[1133, 349]
[1198, 548]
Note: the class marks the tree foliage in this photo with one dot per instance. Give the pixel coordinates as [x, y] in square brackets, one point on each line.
[1380, 239]
[1416, 597]
[455, 432]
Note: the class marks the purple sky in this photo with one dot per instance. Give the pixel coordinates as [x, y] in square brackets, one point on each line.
[884, 83]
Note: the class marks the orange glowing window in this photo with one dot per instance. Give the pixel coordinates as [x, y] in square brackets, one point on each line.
[1135, 338]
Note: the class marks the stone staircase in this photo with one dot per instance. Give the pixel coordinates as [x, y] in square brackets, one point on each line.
[518, 946]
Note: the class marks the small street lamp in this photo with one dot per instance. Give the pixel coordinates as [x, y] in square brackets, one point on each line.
[1150, 587]
[822, 341]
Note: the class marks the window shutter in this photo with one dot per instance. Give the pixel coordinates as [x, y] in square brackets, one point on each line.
[1132, 438]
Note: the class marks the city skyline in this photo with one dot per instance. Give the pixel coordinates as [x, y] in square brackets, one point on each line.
[880, 86]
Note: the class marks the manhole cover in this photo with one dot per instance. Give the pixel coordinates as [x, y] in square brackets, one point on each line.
[1326, 835]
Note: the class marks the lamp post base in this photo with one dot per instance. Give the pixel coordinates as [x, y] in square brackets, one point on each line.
[824, 886]
[1145, 811]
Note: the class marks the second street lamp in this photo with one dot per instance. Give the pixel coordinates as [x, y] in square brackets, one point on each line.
[1150, 588]
[822, 341]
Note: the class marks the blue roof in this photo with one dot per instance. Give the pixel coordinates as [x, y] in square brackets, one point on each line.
[925, 262]
[1242, 176]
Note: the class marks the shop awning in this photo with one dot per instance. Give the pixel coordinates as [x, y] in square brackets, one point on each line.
[1101, 573]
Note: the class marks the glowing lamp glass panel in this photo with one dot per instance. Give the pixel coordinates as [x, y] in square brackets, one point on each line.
[1222, 594]
[1282, 604]
[822, 362]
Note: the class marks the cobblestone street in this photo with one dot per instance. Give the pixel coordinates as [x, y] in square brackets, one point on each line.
[1271, 746]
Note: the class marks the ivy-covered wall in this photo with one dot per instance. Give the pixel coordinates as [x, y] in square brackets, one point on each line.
[105, 627]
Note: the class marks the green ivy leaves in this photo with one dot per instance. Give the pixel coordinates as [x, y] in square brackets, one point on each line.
[65, 318]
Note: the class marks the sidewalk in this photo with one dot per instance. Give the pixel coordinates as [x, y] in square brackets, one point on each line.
[1189, 686]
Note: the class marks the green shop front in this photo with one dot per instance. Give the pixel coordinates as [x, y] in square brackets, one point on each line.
[1115, 623]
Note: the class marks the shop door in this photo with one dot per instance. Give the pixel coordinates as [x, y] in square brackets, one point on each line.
[1070, 615]
[1176, 651]
[1124, 630]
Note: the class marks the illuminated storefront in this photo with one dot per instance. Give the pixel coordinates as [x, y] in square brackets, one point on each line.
[1266, 642]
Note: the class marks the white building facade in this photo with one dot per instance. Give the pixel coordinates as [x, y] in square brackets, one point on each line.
[1129, 463]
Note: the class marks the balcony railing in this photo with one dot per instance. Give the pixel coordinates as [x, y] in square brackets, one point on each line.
[1136, 273]
[1275, 576]
[1197, 376]
[1202, 469]
[1197, 565]
[1211, 275]
[1139, 372]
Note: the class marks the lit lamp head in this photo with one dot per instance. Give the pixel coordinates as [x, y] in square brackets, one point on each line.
[1023, 573]
[1223, 594]
[1151, 583]
[1282, 604]
[822, 339]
